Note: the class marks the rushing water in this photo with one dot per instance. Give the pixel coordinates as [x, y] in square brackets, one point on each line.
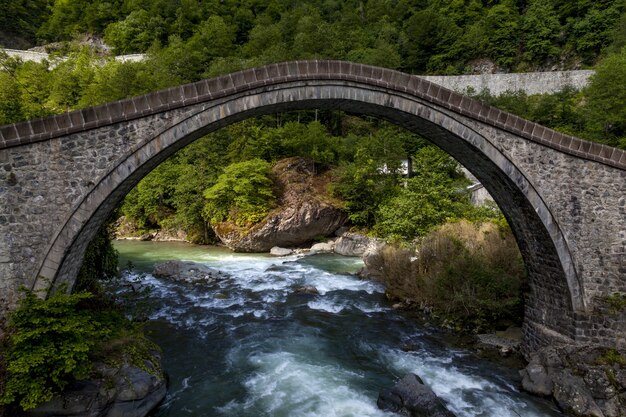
[252, 345]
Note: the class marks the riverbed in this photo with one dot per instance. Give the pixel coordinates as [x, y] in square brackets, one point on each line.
[256, 342]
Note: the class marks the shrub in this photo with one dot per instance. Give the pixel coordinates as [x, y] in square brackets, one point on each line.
[469, 273]
[49, 345]
[99, 262]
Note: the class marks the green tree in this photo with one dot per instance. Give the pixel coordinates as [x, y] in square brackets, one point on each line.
[606, 101]
[434, 195]
[136, 33]
[428, 33]
[242, 194]
[115, 81]
[541, 27]
[10, 104]
[593, 32]
[502, 28]
[69, 79]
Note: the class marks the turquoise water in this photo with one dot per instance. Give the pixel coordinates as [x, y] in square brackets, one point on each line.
[251, 345]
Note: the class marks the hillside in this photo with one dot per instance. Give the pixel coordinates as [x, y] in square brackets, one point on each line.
[417, 36]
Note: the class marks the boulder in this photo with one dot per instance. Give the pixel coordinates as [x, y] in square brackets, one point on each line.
[354, 244]
[138, 393]
[580, 379]
[186, 271]
[573, 396]
[289, 226]
[306, 290]
[278, 251]
[124, 392]
[505, 346]
[323, 247]
[535, 379]
[304, 212]
[410, 397]
[373, 260]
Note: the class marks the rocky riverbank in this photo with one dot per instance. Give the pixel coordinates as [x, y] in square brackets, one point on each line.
[305, 212]
[127, 390]
[584, 381]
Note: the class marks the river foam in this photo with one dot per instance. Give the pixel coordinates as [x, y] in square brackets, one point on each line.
[253, 344]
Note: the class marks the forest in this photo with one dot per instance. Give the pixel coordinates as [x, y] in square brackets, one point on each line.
[189, 40]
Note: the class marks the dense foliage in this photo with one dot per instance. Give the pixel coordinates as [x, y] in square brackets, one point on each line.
[242, 194]
[412, 35]
[469, 274]
[596, 113]
[49, 347]
[99, 262]
[56, 341]
[435, 194]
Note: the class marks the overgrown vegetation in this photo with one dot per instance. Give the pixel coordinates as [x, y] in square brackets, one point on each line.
[49, 346]
[54, 341]
[242, 194]
[611, 357]
[595, 114]
[411, 35]
[616, 302]
[468, 274]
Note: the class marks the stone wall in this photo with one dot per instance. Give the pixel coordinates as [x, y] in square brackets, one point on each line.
[496, 84]
[42, 56]
[529, 82]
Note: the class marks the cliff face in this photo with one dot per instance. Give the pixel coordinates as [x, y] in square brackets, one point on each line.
[305, 212]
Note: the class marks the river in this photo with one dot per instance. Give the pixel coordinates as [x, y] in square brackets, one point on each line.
[252, 345]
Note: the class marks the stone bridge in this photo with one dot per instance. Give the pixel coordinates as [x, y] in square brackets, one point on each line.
[565, 199]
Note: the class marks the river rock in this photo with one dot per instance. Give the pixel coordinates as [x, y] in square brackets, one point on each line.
[278, 251]
[304, 212]
[372, 260]
[124, 392]
[354, 244]
[580, 379]
[306, 290]
[505, 346]
[410, 397]
[186, 271]
[322, 247]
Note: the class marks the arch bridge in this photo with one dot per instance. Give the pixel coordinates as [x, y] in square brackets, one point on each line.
[565, 198]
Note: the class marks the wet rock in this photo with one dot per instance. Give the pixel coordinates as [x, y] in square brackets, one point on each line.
[580, 379]
[535, 379]
[278, 251]
[306, 290]
[410, 397]
[373, 260]
[505, 346]
[573, 396]
[186, 271]
[124, 392]
[146, 237]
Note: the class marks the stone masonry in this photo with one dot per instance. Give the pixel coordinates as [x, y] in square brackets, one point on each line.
[565, 198]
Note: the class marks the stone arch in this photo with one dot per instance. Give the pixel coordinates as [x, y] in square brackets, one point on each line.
[518, 161]
[529, 215]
